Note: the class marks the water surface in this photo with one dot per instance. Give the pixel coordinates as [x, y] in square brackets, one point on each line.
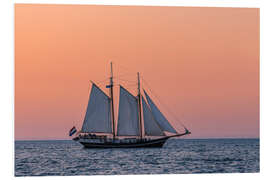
[178, 156]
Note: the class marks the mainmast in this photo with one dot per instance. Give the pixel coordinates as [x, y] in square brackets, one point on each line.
[139, 104]
[112, 106]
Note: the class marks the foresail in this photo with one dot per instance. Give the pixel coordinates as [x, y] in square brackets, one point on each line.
[159, 117]
[150, 125]
[128, 118]
[98, 113]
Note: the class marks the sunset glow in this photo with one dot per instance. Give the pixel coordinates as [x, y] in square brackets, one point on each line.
[203, 63]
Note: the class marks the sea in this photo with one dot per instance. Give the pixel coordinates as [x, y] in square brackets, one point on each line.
[177, 156]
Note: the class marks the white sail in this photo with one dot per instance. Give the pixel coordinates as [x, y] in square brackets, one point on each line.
[128, 118]
[159, 117]
[98, 114]
[150, 125]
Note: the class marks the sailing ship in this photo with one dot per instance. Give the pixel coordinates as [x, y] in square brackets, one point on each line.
[135, 113]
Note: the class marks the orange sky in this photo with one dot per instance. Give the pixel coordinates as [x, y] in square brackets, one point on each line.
[203, 63]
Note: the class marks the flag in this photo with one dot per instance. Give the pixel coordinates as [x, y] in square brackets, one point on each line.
[72, 131]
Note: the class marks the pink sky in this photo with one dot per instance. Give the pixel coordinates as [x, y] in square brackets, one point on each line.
[202, 62]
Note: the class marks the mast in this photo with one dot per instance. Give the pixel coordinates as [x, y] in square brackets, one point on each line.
[112, 106]
[139, 104]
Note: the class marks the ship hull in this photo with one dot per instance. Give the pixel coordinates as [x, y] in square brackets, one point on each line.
[155, 143]
[143, 143]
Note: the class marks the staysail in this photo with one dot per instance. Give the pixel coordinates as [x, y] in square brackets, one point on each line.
[150, 125]
[128, 118]
[159, 117]
[98, 113]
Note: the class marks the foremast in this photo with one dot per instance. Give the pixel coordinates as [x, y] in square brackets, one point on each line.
[112, 104]
[139, 105]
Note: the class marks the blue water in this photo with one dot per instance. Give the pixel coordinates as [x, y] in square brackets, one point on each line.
[49, 158]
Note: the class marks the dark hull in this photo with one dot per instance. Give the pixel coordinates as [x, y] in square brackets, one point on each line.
[157, 143]
[150, 143]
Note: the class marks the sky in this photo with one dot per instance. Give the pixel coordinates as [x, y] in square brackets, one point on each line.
[200, 63]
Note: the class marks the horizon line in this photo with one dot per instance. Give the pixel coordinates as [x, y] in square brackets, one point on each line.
[172, 138]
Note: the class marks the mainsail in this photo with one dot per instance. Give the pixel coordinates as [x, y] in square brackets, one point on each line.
[150, 125]
[98, 114]
[159, 117]
[128, 118]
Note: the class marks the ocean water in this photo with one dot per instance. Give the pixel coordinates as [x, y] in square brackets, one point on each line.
[178, 156]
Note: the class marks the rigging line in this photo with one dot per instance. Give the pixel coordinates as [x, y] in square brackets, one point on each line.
[127, 71]
[174, 116]
[163, 104]
[102, 81]
[125, 68]
[126, 74]
[83, 114]
[120, 69]
[126, 80]
[127, 86]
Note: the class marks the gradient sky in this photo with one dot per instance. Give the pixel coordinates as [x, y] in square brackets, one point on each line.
[203, 63]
